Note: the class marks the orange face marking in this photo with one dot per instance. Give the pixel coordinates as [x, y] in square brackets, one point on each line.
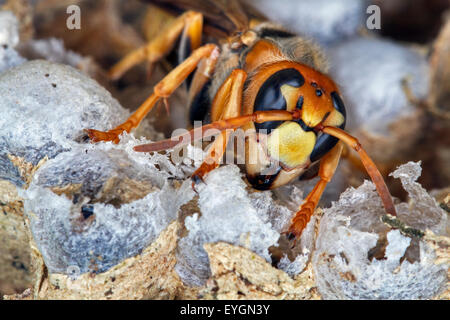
[316, 90]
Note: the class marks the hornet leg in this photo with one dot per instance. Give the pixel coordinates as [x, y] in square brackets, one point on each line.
[226, 104]
[162, 90]
[328, 165]
[189, 26]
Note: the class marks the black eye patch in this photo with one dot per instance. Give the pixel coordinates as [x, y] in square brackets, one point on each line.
[269, 96]
[326, 142]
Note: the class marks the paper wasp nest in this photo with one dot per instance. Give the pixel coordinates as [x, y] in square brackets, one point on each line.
[94, 206]
[44, 108]
[358, 256]
[228, 212]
